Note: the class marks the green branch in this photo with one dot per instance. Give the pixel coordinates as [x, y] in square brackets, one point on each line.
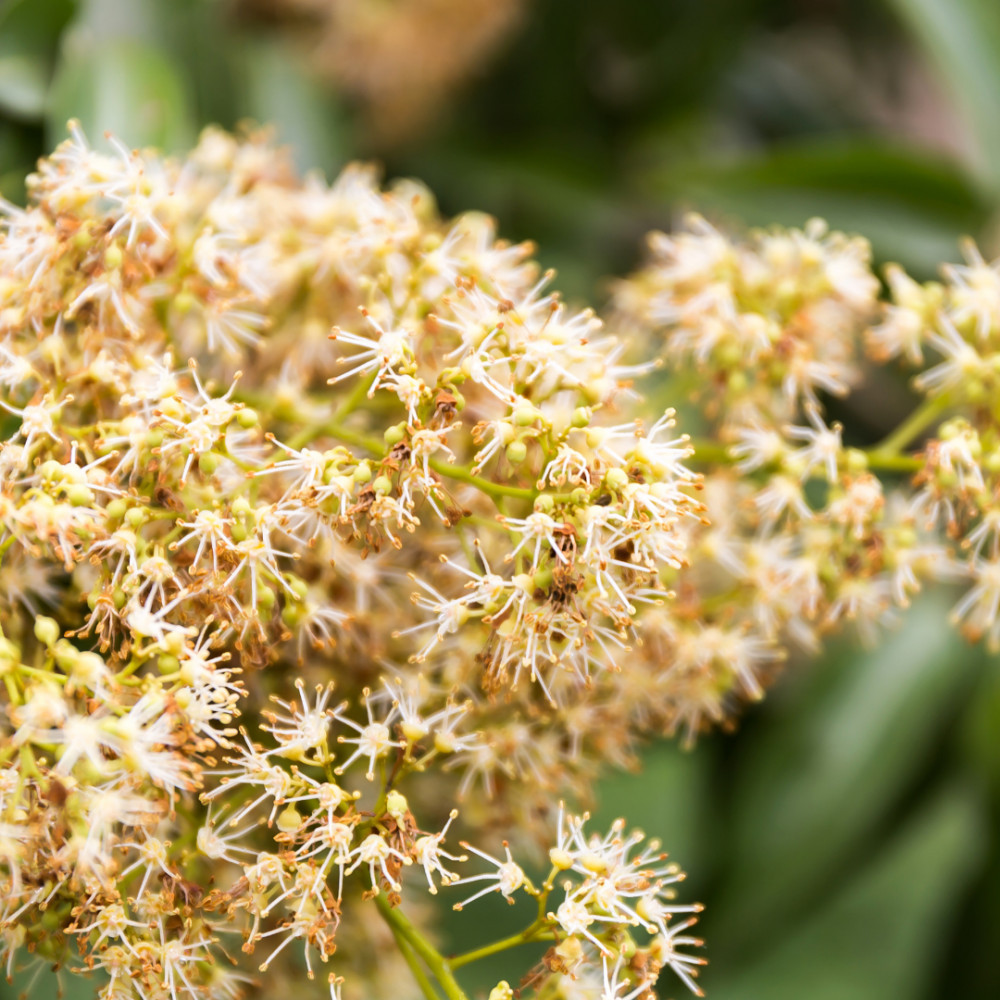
[434, 960]
[535, 932]
[423, 981]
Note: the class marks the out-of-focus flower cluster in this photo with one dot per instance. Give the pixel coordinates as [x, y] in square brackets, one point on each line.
[312, 505]
[805, 533]
[401, 59]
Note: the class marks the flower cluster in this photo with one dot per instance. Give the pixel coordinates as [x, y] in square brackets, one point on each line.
[256, 428]
[615, 888]
[803, 531]
[314, 505]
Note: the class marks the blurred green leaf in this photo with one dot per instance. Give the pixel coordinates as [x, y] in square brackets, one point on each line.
[29, 37]
[24, 81]
[826, 769]
[911, 206]
[963, 38]
[279, 89]
[124, 86]
[881, 936]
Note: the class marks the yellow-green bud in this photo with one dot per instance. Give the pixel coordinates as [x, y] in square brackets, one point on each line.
[50, 470]
[289, 819]
[544, 504]
[88, 668]
[517, 452]
[444, 742]
[413, 732]
[135, 517]
[616, 479]
[116, 509]
[168, 664]
[501, 991]
[113, 257]
[79, 495]
[396, 806]
[66, 654]
[562, 860]
[46, 631]
[394, 434]
[247, 418]
[525, 415]
[293, 613]
[184, 301]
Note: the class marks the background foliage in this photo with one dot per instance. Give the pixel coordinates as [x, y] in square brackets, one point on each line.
[845, 838]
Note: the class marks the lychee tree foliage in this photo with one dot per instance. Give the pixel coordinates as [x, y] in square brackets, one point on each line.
[339, 557]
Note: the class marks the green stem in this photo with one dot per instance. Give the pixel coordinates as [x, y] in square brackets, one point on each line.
[485, 485]
[879, 458]
[435, 961]
[893, 463]
[535, 932]
[919, 420]
[710, 451]
[426, 986]
[440, 466]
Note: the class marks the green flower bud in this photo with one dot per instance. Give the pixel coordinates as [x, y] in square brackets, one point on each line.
[394, 434]
[502, 991]
[46, 631]
[396, 806]
[289, 819]
[525, 415]
[113, 257]
[616, 480]
[135, 517]
[168, 664]
[66, 654]
[80, 496]
[517, 452]
[117, 509]
[184, 301]
[50, 471]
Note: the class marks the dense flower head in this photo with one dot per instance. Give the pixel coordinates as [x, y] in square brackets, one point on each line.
[803, 532]
[330, 535]
[306, 495]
